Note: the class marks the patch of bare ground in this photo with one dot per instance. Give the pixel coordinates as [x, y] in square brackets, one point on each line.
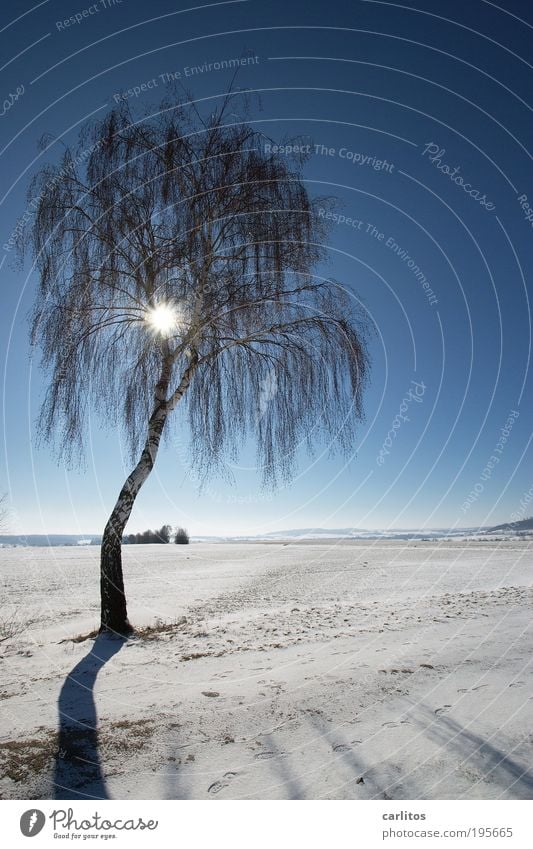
[22, 760]
[146, 632]
[126, 735]
[26, 766]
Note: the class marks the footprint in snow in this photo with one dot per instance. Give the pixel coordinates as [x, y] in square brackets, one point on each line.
[219, 785]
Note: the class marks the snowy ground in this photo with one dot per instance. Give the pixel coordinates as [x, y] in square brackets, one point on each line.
[324, 670]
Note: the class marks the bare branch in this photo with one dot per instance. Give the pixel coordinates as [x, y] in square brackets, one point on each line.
[191, 213]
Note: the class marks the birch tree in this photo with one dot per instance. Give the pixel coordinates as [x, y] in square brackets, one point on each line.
[176, 258]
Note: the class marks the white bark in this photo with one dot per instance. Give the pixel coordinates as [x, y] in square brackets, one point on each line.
[113, 599]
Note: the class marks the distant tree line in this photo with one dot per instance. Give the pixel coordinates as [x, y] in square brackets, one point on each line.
[163, 535]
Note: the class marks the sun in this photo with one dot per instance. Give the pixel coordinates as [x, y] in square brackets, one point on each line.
[163, 319]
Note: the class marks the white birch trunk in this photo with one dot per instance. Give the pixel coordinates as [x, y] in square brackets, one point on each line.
[114, 616]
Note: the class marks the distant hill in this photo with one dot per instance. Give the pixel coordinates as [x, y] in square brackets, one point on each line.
[50, 539]
[524, 526]
[510, 527]
[361, 533]
[348, 533]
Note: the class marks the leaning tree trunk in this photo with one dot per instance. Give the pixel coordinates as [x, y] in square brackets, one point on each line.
[114, 615]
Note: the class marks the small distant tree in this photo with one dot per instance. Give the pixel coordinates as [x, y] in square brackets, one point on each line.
[177, 263]
[181, 537]
[163, 534]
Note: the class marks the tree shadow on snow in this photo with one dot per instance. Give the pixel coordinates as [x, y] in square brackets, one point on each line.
[282, 768]
[341, 753]
[493, 764]
[78, 773]
[177, 775]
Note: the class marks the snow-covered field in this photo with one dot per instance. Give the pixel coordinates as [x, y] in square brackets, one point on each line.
[331, 669]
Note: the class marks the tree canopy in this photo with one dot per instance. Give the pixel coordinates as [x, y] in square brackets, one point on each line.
[189, 215]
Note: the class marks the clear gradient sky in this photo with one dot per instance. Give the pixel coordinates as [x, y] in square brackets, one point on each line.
[401, 101]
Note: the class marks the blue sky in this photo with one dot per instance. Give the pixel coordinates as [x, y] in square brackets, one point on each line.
[432, 99]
